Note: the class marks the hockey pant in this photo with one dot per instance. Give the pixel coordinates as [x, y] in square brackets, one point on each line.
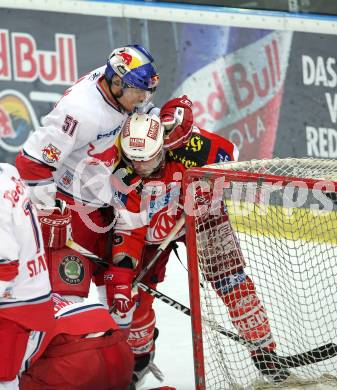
[73, 362]
[13, 342]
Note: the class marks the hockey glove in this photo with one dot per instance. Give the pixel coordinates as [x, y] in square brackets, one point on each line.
[121, 297]
[55, 225]
[177, 118]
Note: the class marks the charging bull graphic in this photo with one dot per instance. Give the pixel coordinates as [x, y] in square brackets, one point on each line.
[110, 157]
[6, 126]
[51, 154]
[241, 76]
[17, 120]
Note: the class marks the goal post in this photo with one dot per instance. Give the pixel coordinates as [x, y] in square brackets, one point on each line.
[273, 220]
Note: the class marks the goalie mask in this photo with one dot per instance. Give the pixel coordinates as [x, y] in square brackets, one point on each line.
[135, 66]
[142, 140]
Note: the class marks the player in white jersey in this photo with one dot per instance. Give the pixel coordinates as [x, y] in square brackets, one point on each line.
[77, 147]
[24, 281]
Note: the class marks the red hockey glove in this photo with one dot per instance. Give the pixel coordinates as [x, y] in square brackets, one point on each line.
[121, 297]
[177, 118]
[55, 225]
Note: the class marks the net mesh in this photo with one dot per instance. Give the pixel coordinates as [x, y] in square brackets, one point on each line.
[285, 238]
[305, 168]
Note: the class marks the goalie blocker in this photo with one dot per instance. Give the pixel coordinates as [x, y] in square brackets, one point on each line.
[69, 271]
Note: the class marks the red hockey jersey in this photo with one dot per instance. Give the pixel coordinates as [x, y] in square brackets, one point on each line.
[150, 215]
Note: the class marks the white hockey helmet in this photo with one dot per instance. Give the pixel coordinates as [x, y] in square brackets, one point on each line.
[142, 143]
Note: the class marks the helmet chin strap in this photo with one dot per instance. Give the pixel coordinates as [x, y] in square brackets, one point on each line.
[119, 95]
[118, 83]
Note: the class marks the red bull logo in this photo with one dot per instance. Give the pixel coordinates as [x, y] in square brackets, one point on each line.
[6, 127]
[109, 157]
[127, 58]
[21, 60]
[51, 154]
[17, 120]
[242, 93]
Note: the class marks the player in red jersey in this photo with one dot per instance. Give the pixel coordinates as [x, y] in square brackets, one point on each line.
[84, 350]
[160, 151]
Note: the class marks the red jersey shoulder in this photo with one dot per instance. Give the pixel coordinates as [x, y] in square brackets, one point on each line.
[172, 171]
[204, 148]
[221, 150]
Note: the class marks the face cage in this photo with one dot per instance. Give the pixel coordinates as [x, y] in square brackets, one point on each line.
[149, 166]
[126, 85]
[148, 95]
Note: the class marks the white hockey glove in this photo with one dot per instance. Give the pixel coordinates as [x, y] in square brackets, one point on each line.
[43, 194]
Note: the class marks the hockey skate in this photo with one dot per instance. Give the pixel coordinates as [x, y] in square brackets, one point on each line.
[270, 369]
[144, 365]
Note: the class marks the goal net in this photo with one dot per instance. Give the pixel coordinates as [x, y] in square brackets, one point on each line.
[268, 228]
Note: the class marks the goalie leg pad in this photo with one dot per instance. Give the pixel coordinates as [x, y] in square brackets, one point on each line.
[246, 311]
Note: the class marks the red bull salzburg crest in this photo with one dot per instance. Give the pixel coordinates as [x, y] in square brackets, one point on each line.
[51, 154]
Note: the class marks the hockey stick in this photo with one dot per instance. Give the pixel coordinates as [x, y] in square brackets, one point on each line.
[100, 262]
[91, 256]
[160, 250]
[315, 355]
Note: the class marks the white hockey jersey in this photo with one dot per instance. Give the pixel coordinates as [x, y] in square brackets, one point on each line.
[21, 242]
[79, 139]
